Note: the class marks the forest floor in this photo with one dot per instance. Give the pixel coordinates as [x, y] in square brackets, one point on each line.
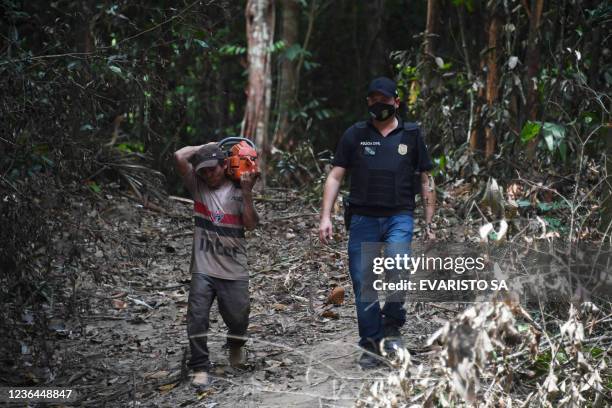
[129, 346]
[125, 280]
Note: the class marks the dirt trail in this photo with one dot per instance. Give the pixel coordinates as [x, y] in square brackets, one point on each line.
[129, 345]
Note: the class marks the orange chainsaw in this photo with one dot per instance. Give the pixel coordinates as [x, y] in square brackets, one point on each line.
[241, 156]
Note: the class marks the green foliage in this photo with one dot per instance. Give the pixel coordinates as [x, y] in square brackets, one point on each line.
[296, 51]
[30, 162]
[555, 205]
[596, 352]
[203, 44]
[178, 75]
[555, 224]
[443, 66]
[277, 46]
[570, 89]
[310, 65]
[232, 49]
[407, 74]
[93, 186]
[553, 136]
[300, 166]
[469, 4]
[530, 130]
[541, 365]
[131, 147]
[440, 163]
[116, 70]
[524, 203]
[312, 109]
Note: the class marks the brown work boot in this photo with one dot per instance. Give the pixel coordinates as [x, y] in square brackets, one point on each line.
[237, 356]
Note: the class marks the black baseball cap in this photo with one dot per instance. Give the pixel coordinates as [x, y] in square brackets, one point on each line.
[209, 155]
[383, 85]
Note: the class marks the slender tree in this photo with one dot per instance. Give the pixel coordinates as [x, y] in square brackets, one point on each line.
[533, 66]
[492, 77]
[477, 40]
[288, 66]
[468, 68]
[606, 216]
[376, 55]
[260, 18]
[428, 45]
[432, 8]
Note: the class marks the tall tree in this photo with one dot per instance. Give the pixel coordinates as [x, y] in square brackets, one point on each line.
[471, 134]
[596, 46]
[432, 8]
[428, 45]
[605, 224]
[376, 53]
[287, 78]
[260, 18]
[533, 67]
[477, 20]
[489, 94]
[492, 77]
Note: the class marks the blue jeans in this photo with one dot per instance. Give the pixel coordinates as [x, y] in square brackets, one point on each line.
[397, 229]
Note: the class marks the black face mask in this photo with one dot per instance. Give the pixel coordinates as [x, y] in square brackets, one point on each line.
[381, 111]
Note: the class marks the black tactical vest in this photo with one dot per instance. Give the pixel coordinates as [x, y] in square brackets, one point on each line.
[383, 169]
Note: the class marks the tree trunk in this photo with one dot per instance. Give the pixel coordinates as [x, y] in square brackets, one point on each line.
[84, 45]
[492, 79]
[376, 55]
[287, 79]
[606, 215]
[533, 66]
[357, 70]
[595, 52]
[312, 14]
[428, 46]
[260, 31]
[221, 99]
[476, 132]
[470, 74]
[478, 40]
[85, 40]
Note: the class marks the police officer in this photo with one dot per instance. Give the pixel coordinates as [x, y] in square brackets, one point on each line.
[385, 156]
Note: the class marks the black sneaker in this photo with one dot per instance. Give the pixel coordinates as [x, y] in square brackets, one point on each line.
[371, 357]
[392, 342]
[391, 346]
[391, 331]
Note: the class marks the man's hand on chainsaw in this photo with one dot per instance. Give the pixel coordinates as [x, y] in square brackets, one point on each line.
[247, 180]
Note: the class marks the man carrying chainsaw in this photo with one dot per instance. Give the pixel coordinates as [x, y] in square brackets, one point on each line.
[385, 156]
[223, 209]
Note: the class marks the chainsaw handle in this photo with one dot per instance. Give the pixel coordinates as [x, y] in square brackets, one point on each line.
[235, 140]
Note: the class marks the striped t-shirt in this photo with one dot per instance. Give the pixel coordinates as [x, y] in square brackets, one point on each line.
[219, 246]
